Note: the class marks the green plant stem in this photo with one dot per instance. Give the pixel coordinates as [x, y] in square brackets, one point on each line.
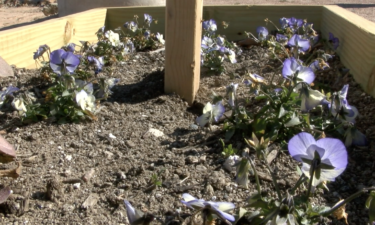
[310, 57]
[255, 174]
[273, 176]
[311, 180]
[347, 200]
[301, 179]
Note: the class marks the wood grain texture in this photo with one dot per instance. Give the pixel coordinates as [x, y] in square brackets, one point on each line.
[357, 43]
[183, 47]
[17, 45]
[356, 34]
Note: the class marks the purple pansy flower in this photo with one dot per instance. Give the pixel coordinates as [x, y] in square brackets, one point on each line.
[63, 62]
[219, 209]
[231, 91]
[137, 217]
[284, 22]
[147, 34]
[311, 98]
[131, 25]
[247, 82]
[295, 23]
[8, 92]
[210, 25]
[281, 39]
[207, 42]
[348, 112]
[318, 65]
[40, 51]
[256, 78]
[148, 19]
[291, 66]
[334, 41]
[327, 155]
[262, 33]
[98, 63]
[296, 41]
[71, 47]
[210, 113]
[220, 41]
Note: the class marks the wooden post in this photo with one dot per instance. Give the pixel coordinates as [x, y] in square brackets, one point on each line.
[183, 31]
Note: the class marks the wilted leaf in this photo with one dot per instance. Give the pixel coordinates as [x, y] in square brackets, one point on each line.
[14, 173]
[340, 213]
[7, 151]
[4, 194]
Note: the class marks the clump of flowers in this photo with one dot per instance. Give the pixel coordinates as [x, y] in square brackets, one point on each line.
[215, 48]
[293, 103]
[141, 35]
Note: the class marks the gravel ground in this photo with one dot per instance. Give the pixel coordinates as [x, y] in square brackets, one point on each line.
[77, 174]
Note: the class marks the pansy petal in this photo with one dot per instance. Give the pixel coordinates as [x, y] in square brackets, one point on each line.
[222, 214]
[335, 152]
[203, 119]
[287, 69]
[130, 211]
[306, 74]
[304, 44]
[188, 197]
[218, 111]
[298, 145]
[225, 206]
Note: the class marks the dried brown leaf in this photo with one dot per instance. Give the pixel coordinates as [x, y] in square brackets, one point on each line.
[14, 173]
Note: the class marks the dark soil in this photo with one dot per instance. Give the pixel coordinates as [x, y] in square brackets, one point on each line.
[78, 174]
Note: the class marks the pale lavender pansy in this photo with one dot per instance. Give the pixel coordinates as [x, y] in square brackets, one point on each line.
[148, 19]
[97, 62]
[137, 217]
[296, 41]
[262, 33]
[282, 39]
[311, 98]
[63, 62]
[219, 209]
[131, 25]
[209, 25]
[342, 108]
[291, 66]
[211, 113]
[231, 92]
[40, 51]
[334, 41]
[328, 155]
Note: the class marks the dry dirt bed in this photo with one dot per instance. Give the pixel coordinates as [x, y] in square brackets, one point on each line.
[77, 174]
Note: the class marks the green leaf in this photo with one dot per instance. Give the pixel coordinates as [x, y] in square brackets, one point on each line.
[282, 112]
[371, 211]
[66, 93]
[242, 212]
[293, 121]
[242, 169]
[229, 134]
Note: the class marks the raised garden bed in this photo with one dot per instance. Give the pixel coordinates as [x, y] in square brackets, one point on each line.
[80, 173]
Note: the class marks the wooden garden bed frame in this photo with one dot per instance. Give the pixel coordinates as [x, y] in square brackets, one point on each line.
[182, 28]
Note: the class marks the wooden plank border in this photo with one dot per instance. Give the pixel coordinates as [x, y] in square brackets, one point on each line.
[17, 45]
[356, 34]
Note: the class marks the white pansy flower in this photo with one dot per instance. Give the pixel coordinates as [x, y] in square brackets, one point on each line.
[85, 101]
[19, 105]
[113, 37]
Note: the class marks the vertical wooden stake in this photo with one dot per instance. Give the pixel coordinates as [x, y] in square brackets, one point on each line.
[182, 47]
